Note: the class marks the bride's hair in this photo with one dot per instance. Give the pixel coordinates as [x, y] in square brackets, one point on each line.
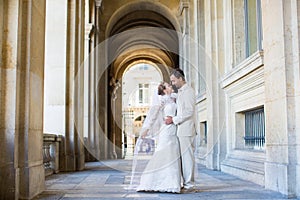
[161, 88]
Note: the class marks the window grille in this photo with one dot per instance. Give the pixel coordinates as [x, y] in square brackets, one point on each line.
[255, 129]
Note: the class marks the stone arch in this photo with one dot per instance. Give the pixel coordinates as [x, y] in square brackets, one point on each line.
[141, 5]
[138, 31]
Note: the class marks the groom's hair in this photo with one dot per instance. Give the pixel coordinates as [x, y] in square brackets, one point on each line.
[178, 73]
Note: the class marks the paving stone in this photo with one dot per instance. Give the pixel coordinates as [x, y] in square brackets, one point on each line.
[110, 180]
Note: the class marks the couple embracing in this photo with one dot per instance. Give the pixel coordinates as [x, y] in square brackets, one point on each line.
[171, 168]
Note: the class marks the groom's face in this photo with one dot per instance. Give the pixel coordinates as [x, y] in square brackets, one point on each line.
[176, 81]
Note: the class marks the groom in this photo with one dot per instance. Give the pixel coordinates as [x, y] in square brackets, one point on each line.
[185, 125]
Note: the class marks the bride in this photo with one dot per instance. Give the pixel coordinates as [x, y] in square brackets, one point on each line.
[163, 171]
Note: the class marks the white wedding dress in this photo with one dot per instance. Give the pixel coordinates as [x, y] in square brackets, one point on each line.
[163, 171]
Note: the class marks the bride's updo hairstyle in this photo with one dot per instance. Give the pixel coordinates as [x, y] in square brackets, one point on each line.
[161, 88]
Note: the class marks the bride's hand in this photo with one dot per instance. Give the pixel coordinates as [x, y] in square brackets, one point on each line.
[168, 120]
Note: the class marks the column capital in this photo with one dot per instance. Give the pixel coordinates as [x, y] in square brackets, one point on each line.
[98, 3]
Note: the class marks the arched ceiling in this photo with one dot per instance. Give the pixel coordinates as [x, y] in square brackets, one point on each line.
[141, 18]
[141, 34]
[153, 56]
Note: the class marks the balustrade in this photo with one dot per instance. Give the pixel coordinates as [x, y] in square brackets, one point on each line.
[51, 153]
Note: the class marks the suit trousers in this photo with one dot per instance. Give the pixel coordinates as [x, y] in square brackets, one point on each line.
[187, 148]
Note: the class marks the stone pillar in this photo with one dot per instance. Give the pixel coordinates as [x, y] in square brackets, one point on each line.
[100, 88]
[185, 45]
[281, 57]
[214, 62]
[73, 156]
[119, 141]
[87, 91]
[30, 92]
[69, 162]
[89, 81]
[212, 86]
[219, 101]
[92, 134]
[79, 86]
[117, 123]
[9, 174]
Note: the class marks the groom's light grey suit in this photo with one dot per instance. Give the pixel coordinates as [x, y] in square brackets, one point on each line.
[185, 121]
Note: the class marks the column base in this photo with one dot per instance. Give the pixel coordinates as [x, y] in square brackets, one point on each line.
[32, 181]
[8, 187]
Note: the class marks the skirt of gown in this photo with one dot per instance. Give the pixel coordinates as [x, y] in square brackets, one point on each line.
[163, 171]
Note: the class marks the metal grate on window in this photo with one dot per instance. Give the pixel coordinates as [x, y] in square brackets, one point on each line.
[255, 129]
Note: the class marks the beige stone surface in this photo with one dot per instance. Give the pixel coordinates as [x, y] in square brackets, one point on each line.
[78, 102]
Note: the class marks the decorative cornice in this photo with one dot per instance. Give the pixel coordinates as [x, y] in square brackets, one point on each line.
[248, 65]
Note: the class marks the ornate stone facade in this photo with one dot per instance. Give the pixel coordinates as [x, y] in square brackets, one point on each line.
[61, 71]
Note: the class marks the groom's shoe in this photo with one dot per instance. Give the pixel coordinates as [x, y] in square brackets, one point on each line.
[188, 186]
[188, 189]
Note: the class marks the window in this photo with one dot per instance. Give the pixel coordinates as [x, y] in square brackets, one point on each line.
[143, 93]
[143, 67]
[202, 54]
[203, 132]
[252, 26]
[247, 28]
[255, 129]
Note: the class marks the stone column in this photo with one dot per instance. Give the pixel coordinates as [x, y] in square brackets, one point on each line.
[185, 44]
[117, 121]
[73, 156]
[87, 89]
[211, 92]
[69, 162]
[216, 134]
[220, 71]
[79, 86]
[100, 88]
[9, 174]
[89, 79]
[118, 138]
[281, 57]
[30, 92]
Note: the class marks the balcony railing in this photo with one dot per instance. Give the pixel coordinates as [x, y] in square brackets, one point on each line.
[51, 153]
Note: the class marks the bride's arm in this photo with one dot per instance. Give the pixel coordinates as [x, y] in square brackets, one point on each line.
[174, 95]
[151, 118]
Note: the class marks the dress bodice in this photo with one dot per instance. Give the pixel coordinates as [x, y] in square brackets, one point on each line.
[170, 109]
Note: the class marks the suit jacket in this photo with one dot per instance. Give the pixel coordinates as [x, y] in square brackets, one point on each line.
[185, 117]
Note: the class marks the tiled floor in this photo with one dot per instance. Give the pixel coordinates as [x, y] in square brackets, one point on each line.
[110, 180]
